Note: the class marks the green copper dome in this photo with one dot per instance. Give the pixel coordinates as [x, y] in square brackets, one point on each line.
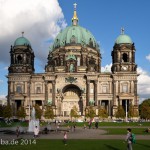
[123, 39]
[74, 34]
[21, 41]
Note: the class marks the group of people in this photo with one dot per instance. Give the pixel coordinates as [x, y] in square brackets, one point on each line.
[129, 136]
[36, 132]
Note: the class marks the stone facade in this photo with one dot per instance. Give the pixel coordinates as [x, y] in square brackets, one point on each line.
[73, 77]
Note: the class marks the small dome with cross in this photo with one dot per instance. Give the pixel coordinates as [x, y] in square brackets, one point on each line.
[123, 38]
[22, 41]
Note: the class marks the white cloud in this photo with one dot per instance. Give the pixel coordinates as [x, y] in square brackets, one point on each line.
[106, 68]
[3, 97]
[40, 20]
[143, 84]
[148, 57]
[143, 81]
[6, 68]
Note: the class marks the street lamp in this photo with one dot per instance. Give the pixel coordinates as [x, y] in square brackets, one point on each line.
[126, 111]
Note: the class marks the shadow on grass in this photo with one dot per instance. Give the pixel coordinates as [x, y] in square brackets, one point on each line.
[111, 147]
[147, 146]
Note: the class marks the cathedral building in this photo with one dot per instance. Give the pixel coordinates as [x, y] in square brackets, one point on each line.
[73, 74]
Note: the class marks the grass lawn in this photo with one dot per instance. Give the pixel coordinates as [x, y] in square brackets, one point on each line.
[122, 131]
[78, 145]
[120, 124]
[81, 124]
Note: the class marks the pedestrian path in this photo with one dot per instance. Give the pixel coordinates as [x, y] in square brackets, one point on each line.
[79, 133]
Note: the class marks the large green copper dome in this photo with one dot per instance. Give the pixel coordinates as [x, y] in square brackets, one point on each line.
[74, 35]
[21, 41]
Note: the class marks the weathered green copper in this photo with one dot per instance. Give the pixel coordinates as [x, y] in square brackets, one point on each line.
[21, 41]
[71, 57]
[74, 35]
[123, 38]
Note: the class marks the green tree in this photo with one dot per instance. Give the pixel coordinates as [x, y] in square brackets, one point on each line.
[49, 113]
[145, 109]
[90, 112]
[120, 113]
[2, 111]
[132, 112]
[7, 112]
[21, 113]
[74, 112]
[38, 111]
[102, 112]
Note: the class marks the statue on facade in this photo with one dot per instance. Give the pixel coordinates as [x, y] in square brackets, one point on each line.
[71, 69]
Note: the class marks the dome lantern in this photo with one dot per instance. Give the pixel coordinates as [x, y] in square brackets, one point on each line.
[75, 18]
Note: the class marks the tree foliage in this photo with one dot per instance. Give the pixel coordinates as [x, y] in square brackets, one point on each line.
[90, 112]
[145, 109]
[49, 113]
[102, 112]
[74, 112]
[21, 113]
[7, 113]
[132, 112]
[120, 113]
[2, 111]
[38, 111]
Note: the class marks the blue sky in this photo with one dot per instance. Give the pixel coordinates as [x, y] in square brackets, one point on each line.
[103, 18]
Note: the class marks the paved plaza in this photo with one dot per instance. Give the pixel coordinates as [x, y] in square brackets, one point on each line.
[79, 133]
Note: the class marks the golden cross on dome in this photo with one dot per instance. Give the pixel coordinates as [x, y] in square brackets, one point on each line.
[22, 33]
[75, 6]
[122, 30]
[75, 18]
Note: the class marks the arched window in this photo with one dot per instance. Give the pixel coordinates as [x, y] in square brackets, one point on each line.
[19, 59]
[19, 89]
[73, 39]
[124, 88]
[125, 57]
[38, 89]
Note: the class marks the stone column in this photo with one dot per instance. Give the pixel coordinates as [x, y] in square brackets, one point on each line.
[114, 92]
[95, 92]
[42, 104]
[29, 92]
[88, 93]
[46, 91]
[130, 86]
[13, 87]
[135, 92]
[53, 93]
[100, 103]
[109, 108]
[130, 58]
[118, 86]
[33, 102]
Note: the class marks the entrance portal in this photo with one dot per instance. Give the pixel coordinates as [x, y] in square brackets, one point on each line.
[72, 98]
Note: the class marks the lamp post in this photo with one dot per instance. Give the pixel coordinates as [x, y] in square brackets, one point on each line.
[126, 111]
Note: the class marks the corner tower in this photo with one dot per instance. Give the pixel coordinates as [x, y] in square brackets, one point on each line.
[123, 54]
[22, 56]
[124, 74]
